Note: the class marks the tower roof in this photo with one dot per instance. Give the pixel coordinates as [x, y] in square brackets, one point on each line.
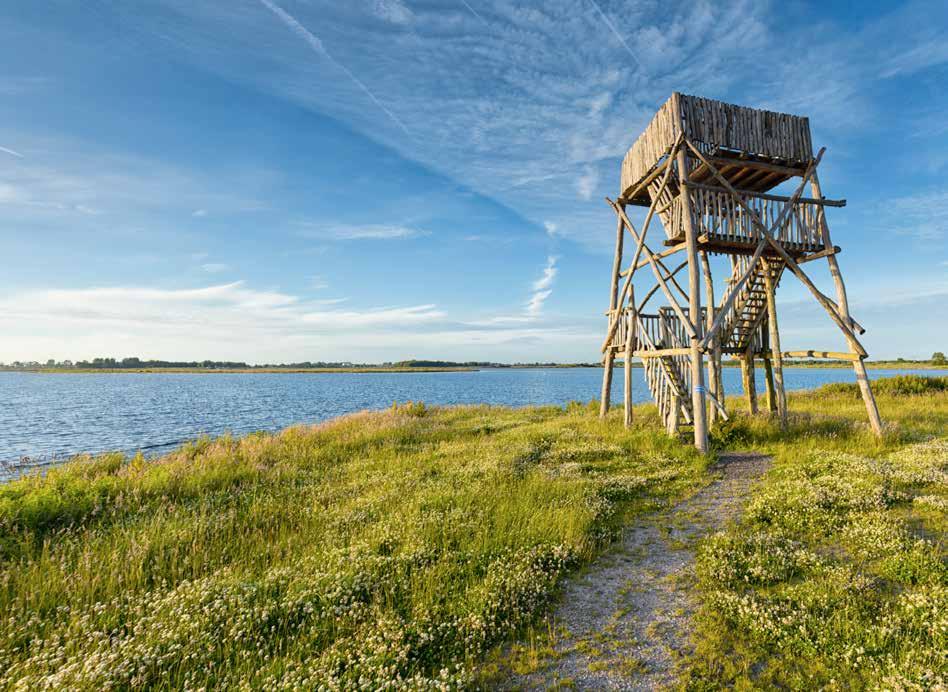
[718, 129]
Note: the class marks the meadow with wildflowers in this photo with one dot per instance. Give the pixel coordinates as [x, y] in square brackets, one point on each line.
[389, 548]
[394, 549]
[837, 575]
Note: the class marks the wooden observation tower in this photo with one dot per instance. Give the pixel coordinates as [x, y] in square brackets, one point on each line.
[704, 169]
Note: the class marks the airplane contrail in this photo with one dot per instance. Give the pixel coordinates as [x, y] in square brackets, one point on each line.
[473, 11]
[11, 152]
[613, 29]
[317, 45]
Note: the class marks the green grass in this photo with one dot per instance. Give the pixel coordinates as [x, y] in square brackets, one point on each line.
[405, 544]
[836, 577]
[390, 545]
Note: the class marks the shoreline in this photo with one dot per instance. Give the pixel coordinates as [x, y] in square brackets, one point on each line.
[880, 365]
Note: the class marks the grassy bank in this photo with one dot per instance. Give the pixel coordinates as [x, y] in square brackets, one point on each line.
[401, 544]
[837, 575]
[398, 544]
[242, 371]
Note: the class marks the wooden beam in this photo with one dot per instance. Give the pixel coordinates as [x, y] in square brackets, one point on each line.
[698, 399]
[659, 256]
[830, 355]
[776, 358]
[769, 382]
[627, 384]
[663, 353]
[720, 161]
[715, 354]
[640, 241]
[758, 253]
[835, 250]
[640, 187]
[616, 316]
[686, 323]
[827, 304]
[768, 196]
[654, 288]
[859, 367]
[748, 380]
[651, 209]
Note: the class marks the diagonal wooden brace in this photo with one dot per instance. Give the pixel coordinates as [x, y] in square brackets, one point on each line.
[641, 242]
[768, 238]
[686, 323]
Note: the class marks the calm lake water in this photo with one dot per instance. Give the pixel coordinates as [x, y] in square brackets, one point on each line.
[47, 417]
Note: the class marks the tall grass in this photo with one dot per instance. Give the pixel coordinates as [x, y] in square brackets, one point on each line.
[837, 575]
[389, 546]
[386, 548]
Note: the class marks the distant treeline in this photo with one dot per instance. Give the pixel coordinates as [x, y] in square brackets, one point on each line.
[134, 363]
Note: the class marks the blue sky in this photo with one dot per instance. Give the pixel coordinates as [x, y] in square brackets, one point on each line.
[283, 180]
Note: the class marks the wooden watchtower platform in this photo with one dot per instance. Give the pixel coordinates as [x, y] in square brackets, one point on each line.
[705, 169]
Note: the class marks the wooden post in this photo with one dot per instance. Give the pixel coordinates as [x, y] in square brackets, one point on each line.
[748, 380]
[613, 300]
[699, 412]
[769, 380]
[775, 354]
[862, 377]
[714, 373]
[629, 346]
[627, 418]
[671, 423]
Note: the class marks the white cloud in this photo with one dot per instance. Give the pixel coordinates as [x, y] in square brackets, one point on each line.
[233, 321]
[550, 227]
[318, 283]
[198, 213]
[542, 288]
[11, 152]
[392, 11]
[587, 182]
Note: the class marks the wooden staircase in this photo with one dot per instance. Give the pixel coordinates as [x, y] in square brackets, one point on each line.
[744, 322]
[668, 377]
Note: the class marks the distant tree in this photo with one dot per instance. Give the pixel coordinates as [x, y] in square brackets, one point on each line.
[938, 357]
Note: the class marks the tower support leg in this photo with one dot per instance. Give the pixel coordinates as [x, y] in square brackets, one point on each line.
[613, 315]
[769, 380]
[775, 354]
[604, 399]
[629, 340]
[862, 377]
[749, 381]
[699, 412]
[714, 358]
[671, 422]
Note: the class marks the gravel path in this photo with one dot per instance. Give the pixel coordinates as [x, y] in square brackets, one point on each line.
[624, 623]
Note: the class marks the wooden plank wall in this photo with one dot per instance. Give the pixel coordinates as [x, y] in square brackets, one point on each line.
[711, 124]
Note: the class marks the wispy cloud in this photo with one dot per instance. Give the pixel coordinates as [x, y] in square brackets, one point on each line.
[923, 215]
[363, 232]
[587, 182]
[317, 45]
[393, 11]
[615, 32]
[17, 154]
[542, 288]
[235, 321]
[214, 267]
